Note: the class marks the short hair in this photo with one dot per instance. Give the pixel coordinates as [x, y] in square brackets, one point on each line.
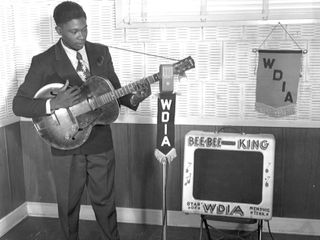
[66, 11]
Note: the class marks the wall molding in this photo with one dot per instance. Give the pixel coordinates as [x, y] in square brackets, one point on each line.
[8, 121]
[298, 226]
[13, 218]
[137, 119]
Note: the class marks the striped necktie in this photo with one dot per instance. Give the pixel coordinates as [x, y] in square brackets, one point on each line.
[82, 69]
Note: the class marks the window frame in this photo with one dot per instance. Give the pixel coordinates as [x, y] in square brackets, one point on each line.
[205, 18]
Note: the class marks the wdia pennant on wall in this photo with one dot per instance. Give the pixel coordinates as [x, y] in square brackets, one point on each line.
[277, 81]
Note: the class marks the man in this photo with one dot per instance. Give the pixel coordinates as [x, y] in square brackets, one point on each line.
[70, 61]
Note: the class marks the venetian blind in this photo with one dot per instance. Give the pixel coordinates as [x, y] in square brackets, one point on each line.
[219, 91]
[8, 81]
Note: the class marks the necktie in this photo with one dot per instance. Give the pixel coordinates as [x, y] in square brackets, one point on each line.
[82, 69]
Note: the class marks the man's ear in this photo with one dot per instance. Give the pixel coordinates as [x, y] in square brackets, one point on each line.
[58, 30]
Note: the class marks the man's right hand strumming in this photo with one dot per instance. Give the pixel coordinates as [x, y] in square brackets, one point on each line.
[66, 97]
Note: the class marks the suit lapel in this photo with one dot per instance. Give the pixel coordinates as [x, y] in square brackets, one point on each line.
[94, 54]
[64, 67]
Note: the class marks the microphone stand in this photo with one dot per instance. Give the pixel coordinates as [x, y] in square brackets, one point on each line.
[165, 160]
[165, 133]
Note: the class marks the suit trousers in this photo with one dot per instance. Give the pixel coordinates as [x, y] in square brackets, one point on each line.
[95, 171]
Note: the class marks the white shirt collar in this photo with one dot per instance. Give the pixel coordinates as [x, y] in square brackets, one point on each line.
[72, 55]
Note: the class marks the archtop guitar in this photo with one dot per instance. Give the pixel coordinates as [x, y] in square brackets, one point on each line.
[69, 128]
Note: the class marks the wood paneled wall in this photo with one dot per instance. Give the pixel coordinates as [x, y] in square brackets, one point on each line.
[139, 174]
[12, 187]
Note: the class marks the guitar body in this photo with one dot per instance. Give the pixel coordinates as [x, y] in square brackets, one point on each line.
[69, 128]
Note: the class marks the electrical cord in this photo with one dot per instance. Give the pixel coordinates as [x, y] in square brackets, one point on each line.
[164, 218]
[230, 236]
[270, 233]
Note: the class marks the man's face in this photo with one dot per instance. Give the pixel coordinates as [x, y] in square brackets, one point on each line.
[74, 33]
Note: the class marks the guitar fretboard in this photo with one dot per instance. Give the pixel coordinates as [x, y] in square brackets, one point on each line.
[120, 92]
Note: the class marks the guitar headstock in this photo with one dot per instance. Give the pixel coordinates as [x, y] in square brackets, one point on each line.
[183, 65]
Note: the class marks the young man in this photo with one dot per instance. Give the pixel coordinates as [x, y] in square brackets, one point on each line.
[70, 61]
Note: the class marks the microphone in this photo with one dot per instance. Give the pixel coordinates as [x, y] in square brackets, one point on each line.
[166, 78]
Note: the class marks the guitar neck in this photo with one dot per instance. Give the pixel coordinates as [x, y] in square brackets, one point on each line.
[123, 91]
[178, 68]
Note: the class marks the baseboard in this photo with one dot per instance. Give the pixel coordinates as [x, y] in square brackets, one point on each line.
[13, 218]
[297, 226]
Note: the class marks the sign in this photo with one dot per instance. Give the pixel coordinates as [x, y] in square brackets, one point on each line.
[228, 174]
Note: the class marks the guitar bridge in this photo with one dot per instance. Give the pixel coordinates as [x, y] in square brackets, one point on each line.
[92, 103]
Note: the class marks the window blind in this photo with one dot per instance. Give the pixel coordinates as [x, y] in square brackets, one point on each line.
[8, 82]
[219, 91]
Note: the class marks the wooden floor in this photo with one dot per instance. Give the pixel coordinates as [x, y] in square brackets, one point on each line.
[33, 228]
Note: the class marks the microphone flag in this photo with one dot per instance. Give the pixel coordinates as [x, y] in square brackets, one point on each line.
[165, 119]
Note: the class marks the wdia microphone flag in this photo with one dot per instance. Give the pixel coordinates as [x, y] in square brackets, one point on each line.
[165, 127]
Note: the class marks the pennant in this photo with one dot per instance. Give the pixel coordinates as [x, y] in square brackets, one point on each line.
[165, 127]
[277, 81]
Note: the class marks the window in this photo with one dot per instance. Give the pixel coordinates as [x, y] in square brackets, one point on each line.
[133, 13]
[294, 9]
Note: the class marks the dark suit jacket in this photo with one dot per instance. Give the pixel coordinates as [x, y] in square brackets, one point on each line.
[54, 66]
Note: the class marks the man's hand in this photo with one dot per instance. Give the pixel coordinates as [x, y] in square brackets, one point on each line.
[66, 97]
[143, 91]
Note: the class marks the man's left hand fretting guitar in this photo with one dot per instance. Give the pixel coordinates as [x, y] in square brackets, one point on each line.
[69, 128]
